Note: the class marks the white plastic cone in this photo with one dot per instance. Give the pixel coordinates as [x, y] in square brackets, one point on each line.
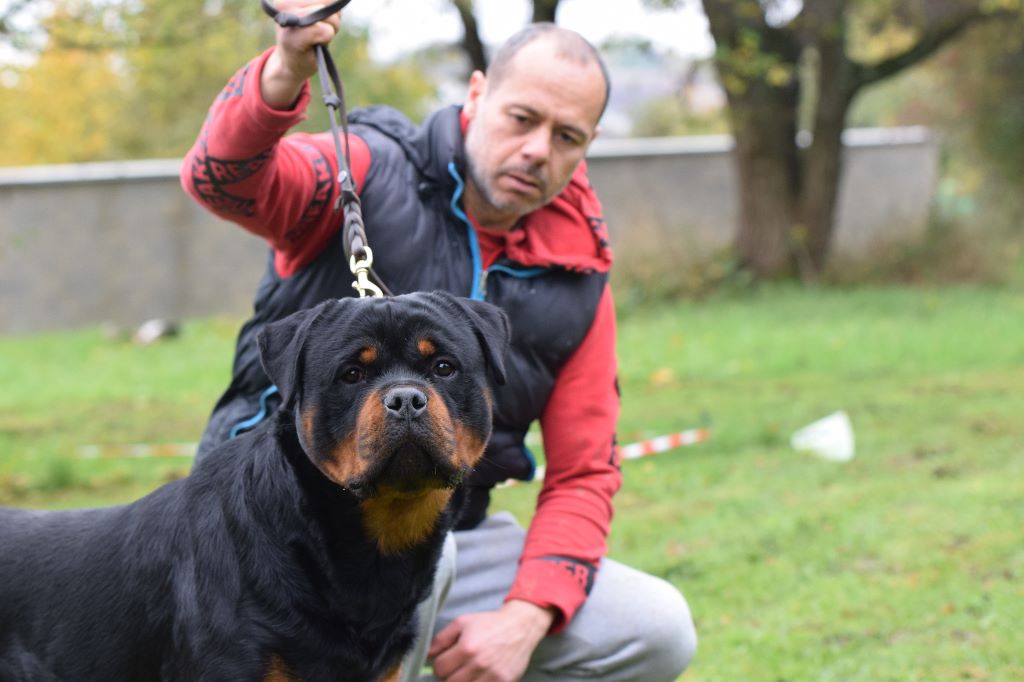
[830, 438]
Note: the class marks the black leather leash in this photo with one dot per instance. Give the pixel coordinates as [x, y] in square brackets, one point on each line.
[354, 233]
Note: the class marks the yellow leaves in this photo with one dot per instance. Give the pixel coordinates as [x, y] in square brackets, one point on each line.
[134, 80]
[749, 10]
[869, 42]
[65, 110]
[661, 377]
[779, 75]
[992, 6]
[734, 84]
[748, 61]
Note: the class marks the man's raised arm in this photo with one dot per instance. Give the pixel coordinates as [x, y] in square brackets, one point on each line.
[242, 170]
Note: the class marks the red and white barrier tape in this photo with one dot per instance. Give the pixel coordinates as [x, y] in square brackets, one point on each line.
[644, 448]
[137, 450]
[653, 446]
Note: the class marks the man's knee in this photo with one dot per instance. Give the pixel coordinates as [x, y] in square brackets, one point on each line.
[634, 627]
[669, 633]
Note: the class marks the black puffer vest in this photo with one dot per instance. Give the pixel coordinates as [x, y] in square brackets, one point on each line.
[422, 242]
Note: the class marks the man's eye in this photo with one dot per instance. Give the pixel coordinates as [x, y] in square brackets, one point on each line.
[352, 375]
[443, 368]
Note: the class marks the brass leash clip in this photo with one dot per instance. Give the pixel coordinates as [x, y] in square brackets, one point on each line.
[361, 270]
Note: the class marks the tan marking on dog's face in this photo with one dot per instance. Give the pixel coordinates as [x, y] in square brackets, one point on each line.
[344, 463]
[469, 447]
[397, 521]
[469, 444]
[368, 355]
[440, 420]
[426, 347]
[278, 671]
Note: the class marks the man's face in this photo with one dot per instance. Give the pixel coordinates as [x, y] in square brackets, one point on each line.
[528, 133]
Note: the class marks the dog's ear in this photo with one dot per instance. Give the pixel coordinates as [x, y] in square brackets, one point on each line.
[281, 345]
[491, 326]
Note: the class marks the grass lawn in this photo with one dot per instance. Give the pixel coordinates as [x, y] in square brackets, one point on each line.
[906, 563]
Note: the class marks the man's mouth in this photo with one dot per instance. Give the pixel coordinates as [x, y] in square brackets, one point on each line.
[524, 182]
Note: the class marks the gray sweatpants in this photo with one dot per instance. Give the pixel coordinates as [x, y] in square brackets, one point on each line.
[633, 627]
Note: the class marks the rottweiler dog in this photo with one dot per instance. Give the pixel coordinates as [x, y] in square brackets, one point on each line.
[298, 551]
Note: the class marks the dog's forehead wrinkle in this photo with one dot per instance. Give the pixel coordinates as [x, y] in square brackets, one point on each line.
[396, 326]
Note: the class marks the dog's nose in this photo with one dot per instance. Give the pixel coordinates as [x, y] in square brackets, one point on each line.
[405, 401]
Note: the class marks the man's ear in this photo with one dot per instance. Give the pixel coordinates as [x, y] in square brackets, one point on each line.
[281, 345]
[474, 94]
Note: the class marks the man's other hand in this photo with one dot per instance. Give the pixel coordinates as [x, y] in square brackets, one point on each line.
[293, 62]
[494, 646]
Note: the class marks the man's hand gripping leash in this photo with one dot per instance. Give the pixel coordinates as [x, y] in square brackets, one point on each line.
[356, 247]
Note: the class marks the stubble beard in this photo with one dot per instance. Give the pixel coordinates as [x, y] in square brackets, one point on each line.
[486, 189]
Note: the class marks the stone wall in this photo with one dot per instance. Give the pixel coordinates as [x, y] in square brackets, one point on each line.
[122, 243]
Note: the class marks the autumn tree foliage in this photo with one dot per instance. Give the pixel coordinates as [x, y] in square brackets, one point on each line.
[793, 67]
[121, 79]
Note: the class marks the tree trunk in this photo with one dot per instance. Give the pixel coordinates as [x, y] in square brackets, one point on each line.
[823, 160]
[471, 43]
[763, 114]
[824, 23]
[768, 171]
[545, 10]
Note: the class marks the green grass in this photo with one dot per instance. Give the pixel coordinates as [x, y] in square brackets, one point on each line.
[906, 563]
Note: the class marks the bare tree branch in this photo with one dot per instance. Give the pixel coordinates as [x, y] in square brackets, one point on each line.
[8, 15]
[929, 43]
[545, 10]
[10, 33]
[471, 43]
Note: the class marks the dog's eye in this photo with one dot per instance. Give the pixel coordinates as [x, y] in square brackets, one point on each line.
[352, 375]
[443, 368]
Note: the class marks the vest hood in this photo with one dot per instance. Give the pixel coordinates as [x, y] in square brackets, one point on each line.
[574, 235]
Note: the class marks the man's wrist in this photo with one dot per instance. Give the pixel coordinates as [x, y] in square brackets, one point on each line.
[280, 86]
[535, 619]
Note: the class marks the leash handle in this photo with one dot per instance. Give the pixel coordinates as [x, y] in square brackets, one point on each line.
[354, 234]
[289, 20]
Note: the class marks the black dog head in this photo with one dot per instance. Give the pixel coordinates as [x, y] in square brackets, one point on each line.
[391, 397]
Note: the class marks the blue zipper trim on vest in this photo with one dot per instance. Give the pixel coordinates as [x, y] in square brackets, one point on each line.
[256, 418]
[474, 245]
[532, 459]
[521, 273]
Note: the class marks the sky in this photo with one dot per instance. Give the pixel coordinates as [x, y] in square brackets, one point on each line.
[397, 26]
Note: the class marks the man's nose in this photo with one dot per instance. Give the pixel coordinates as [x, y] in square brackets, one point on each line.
[537, 146]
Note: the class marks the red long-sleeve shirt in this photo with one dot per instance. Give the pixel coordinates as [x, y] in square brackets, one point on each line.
[269, 183]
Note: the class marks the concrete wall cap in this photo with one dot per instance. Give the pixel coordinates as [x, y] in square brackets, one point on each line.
[718, 144]
[158, 169]
[101, 171]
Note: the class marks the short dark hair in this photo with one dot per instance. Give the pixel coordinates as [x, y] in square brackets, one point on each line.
[568, 45]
